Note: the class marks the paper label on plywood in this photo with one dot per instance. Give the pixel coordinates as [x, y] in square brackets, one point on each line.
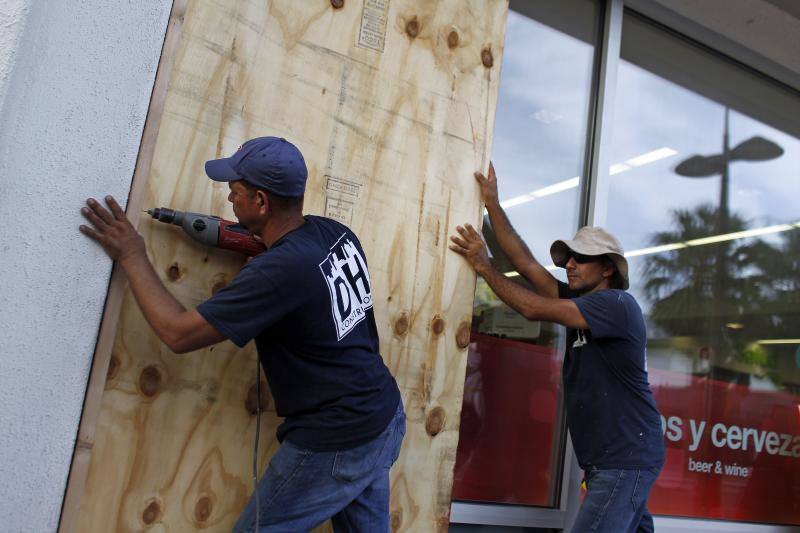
[372, 33]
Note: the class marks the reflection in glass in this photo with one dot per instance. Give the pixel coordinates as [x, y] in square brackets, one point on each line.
[713, 233]
[511, 437]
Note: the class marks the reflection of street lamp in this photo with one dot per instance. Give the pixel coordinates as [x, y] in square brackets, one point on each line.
[699, 166]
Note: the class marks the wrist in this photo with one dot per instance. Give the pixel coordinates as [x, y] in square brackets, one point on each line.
[133, 259]
[483, 268]
[492, 203]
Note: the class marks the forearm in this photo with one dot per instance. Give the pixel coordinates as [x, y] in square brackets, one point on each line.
[179, 329]
[518, 252]
[517, 297]
[507, 237]
[529, 304]
[160, 308]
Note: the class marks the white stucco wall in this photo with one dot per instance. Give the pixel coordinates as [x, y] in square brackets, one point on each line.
[75, 84]
[13, 15]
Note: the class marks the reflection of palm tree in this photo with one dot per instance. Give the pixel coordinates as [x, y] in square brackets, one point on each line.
[680, 283]
[697, 290]
[724, 277]
[730, 293]
[779, 309]
[781, 265]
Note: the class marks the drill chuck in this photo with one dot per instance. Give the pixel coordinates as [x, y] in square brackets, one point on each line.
[202, 228]
[166, 215]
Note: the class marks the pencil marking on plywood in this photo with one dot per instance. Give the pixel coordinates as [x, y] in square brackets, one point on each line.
[334, 185]
[339, 209]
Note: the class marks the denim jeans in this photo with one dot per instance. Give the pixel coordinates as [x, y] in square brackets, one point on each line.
[616, 501]
[302, 488]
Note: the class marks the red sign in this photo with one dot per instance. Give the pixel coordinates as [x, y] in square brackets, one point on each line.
[733, 453]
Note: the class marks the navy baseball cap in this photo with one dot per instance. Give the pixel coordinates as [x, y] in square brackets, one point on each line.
[271, 163]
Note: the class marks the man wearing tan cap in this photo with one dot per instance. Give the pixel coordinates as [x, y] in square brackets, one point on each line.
[611, 415]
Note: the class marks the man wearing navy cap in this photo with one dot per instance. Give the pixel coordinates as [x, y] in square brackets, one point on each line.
[307, 302]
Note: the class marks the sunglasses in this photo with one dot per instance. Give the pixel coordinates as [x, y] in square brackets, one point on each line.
[583, 259]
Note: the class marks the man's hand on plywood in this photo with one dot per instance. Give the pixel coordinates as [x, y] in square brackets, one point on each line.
[470, 245]
[488, 185]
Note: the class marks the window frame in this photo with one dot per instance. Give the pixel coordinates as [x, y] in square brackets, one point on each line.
[596, 168]
[598, 144]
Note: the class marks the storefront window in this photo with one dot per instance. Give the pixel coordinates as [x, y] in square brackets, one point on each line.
[704, 194]
[511, 443]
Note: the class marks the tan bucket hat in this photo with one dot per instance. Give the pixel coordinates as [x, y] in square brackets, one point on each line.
[592, 241]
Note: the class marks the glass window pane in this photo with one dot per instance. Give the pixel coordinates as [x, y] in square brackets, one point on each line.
[704, 194]
[511, 440]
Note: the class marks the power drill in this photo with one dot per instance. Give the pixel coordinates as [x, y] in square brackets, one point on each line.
[211, 230]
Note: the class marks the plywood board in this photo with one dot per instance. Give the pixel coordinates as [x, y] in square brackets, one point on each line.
[392, 104]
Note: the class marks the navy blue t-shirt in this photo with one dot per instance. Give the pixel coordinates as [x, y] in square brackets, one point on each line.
[307, 301]
[611, 413]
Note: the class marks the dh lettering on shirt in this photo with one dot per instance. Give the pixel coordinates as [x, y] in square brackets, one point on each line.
[346, 275]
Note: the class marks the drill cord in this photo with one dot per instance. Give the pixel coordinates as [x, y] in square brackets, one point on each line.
[255, 449]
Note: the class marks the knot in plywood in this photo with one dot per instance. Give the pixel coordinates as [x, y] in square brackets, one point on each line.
[203, 508]
[437, 325]
[434, 423]
[396, 519]
[401, 325]
[462, 335]
[412, 27]
[150, 381]
[337, 4]
[151, 512]
[487, 58]
[452, 39]
[174, 272]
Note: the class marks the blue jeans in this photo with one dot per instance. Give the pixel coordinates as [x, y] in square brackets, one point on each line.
[301, 488]
[616, 501]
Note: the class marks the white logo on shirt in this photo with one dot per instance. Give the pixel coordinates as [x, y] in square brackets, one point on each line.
[580, 340]
[345, 272]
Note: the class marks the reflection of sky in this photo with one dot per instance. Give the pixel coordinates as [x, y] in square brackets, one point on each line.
[540, 128]
[540, 133]
[652, 112]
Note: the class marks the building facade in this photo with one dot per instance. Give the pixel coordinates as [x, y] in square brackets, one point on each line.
[673, 123]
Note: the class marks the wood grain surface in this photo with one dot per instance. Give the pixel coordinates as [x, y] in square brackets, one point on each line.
[392, 103]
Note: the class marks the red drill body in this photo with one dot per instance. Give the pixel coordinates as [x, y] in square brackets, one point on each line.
[211, 230]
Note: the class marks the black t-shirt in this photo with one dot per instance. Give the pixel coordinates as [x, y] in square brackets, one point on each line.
[611, 413]
[307, 301]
